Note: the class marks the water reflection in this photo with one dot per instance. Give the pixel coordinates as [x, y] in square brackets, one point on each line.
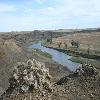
[57, 56]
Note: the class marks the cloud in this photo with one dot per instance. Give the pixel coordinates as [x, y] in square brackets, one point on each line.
[51, 14]
[79, 7]
[46, 11]
[69, 8]
[50, 8]
[40, 1]
[7, 8]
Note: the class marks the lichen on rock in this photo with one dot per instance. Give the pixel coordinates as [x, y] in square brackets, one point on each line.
[32, 74]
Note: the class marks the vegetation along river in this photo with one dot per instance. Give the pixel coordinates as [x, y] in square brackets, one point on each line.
[57, 56]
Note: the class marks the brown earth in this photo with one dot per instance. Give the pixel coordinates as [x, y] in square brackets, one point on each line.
[12, 52]
[86, 40]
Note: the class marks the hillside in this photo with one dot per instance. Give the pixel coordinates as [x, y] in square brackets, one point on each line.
[86, 40]
[9, 54]
[13, 49]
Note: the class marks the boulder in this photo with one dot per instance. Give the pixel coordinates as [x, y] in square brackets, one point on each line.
[32, 74]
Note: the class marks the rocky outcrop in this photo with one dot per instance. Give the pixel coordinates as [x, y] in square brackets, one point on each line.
[83, 70]
[84, 84]
[29, 77]
[86, 70]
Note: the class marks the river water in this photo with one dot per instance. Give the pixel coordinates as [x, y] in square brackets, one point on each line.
[57, 56]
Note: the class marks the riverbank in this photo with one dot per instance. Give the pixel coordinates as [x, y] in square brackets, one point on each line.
[59, 57]
[39, 52]
[15, 51]
[73, 52]
[79, 57]
[88, 44]
[95, 63]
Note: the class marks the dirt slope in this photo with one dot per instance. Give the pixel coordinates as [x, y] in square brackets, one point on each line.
[10, 53]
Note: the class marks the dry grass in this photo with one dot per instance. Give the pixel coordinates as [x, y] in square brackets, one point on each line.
[91, 40]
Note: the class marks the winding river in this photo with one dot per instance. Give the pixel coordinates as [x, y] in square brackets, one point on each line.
[57, 56]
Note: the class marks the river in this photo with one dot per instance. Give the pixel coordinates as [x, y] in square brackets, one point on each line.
[57, 56]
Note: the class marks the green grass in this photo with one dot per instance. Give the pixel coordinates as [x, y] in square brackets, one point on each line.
[45, 43]
[39, 52]
[76, 59]
[95, 63]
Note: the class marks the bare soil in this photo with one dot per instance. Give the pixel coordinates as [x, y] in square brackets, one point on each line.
[86, 40]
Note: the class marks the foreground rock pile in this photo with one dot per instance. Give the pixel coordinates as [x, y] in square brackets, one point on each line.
[29, 77]
[86, 70]
[83, 84]
[83, 71]
[32, 81]
[33, 74]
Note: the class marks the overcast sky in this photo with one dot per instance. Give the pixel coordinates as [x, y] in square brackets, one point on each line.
[23, 15]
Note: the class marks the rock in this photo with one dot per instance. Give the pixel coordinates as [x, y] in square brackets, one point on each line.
[30, 63]
[1, 90]
[32, 74]
[86, 70]
[15, 76]
[25, 87]
[62, 80]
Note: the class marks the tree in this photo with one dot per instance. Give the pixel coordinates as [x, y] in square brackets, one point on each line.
[74, 43]
[48, 40]
[77, 44]
[88, 51]
[65, 45]
[51, 37]
[59, 44]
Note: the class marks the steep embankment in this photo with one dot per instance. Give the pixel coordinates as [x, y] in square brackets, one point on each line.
[10, 53]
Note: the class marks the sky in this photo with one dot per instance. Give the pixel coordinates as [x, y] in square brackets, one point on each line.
[28, 15]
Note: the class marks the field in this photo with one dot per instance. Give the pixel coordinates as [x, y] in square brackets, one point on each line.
[91, 40]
